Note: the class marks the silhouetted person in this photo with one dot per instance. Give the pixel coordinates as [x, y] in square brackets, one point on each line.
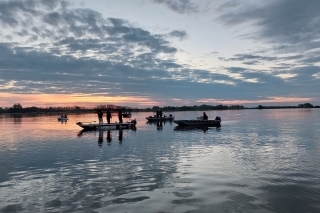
[109, 138]
[120, 116]
[160, 113]
[157, 113]
[100, 115]
[205, 117]
[108, 116]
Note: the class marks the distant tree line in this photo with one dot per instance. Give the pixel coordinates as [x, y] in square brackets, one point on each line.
[17, 108]
[305, 105]
[193, 108]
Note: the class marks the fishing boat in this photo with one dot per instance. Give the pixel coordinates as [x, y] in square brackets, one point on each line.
[105, 126]
[63, 118]
[126, 115]
[199, 122]
[160, 119]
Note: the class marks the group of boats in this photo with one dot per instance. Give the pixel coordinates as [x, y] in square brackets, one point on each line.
[198, 122]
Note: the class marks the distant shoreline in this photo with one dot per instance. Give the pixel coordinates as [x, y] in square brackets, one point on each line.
[165, 109]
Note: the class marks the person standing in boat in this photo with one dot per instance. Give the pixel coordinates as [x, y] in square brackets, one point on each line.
[205, 117]
[108, 115]
[100, 115]
[120, 116]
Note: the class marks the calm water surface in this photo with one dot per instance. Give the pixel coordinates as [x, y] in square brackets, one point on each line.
[258, 161]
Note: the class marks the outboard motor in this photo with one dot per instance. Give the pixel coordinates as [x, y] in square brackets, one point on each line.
[218, 118]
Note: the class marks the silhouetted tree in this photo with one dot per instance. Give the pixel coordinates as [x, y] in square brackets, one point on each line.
[305, 105]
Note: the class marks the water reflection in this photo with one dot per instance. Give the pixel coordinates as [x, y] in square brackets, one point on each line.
[101, 133]
[109, 136]
[100, 138]
[262, 165]
[194, 128]
[120, 135]
[159, 124]
[17, 118]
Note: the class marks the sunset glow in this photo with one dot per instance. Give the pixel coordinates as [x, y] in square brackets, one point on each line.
[63, 100]
[123, 53]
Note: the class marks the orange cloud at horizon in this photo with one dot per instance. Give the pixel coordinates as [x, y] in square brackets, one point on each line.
[63, 100]
[89, 100]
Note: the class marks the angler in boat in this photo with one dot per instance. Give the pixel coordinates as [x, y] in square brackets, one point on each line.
[201, 121]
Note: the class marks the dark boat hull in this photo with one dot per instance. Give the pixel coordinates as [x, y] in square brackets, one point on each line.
[163, 119]
[106, 126]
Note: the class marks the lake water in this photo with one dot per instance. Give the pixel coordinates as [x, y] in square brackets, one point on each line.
[258, 161]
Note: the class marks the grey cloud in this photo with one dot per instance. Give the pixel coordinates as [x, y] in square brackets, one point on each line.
[287, 21]
[10, 9]
[181, 34]
[252, 62]
[179, 6]
[83, 24]
[94, 76]
[228, 5]
[249, 58]
[27, 67]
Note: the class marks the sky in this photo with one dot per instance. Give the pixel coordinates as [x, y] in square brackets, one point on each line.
[144, 53]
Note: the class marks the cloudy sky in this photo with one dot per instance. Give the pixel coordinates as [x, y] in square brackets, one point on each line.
[159, 52]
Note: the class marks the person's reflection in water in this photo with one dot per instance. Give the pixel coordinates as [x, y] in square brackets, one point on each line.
[205, 129]
[100, 139]
[159, 125]
[120, 136]
[109, 136]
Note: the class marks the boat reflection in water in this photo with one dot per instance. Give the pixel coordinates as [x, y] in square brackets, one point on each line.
[195, 128]
[101, 133]
[159, 124]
